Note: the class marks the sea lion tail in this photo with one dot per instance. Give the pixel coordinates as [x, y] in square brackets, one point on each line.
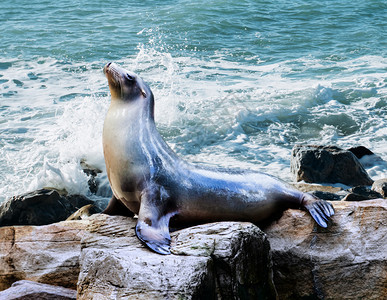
[320, 210]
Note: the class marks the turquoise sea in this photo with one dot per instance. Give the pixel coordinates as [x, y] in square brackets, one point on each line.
[236, 83]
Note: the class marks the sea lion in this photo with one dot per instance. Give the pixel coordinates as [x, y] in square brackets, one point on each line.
[150, 180]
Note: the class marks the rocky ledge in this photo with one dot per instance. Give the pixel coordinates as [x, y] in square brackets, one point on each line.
[100, 257]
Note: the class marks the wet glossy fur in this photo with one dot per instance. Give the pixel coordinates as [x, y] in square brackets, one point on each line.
[150, 180]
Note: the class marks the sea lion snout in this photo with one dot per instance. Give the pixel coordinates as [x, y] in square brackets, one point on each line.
[106, 67]
[125, 85]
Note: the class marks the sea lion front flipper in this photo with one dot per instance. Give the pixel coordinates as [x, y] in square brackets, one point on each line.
[320, 210]
[153, 220]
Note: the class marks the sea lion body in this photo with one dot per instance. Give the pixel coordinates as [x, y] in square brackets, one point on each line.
[150, 180]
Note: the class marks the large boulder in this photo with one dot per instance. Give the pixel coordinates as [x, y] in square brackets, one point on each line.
[228, 260]
[327, 164]
[47, 254]
[27, 290]
[41, 207]
[348, 260]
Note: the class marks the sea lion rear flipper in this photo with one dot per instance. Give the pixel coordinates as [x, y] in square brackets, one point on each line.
[320, 210]
[153, 220]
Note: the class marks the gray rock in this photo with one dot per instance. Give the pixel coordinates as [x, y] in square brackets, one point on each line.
[47, 254]
[27, 290]
[41, 207]
[360, 151]
[220, 260]
[361, 193]
[327, 164]
[348, 260]
[98, 181]
[92, 173]
[328, 196]
[354, 197]
[380, 186]
[228, 260]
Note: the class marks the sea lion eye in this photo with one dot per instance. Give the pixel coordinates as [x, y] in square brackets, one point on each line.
[129, 77]
[143, 93]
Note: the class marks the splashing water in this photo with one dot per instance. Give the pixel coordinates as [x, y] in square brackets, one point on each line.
[233, 89]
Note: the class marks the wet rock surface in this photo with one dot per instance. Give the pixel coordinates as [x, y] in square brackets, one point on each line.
[41, 207]
[327, 164]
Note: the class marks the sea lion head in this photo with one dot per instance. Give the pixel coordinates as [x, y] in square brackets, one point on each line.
[125, 85]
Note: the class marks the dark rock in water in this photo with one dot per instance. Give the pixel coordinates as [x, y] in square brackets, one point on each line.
[367, 158]
[360, 151]
[25, 290]
[41, 207]
[327, 164]
[361, 193]
[328, 196]
[354, 197]
[366, 192]
[380, 186]
[92, 172]
[98, 182]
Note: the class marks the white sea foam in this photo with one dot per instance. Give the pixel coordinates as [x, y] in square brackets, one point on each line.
[233, 114]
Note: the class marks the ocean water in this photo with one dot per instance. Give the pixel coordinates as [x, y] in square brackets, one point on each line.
[236, 83]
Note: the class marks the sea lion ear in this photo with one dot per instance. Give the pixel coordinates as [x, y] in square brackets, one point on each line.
[153, 223]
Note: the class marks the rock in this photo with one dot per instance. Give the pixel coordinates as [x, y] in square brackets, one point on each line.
[226, 260]
[360, 151]
[47, 254]
[348, 260]
[220, 260]
[84, 212]
[26, 290]
[327, 164]
[41, 207]
[312, 187]
[367, 158]
[361, 193]
[324, 192]
[328, 196]
[98, 181]
[92, 173]
[380, 186]
[354, 197]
